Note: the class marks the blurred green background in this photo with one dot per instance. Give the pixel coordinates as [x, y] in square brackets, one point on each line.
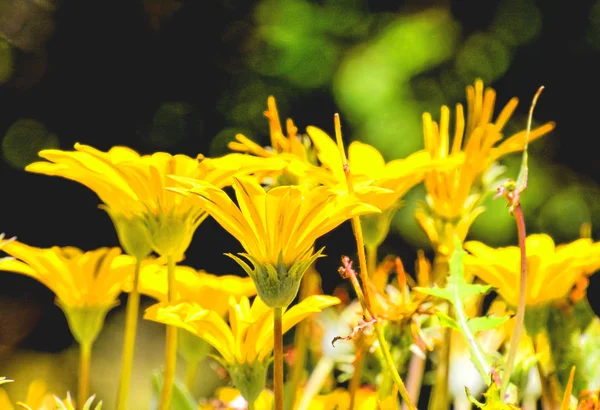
[186, 76]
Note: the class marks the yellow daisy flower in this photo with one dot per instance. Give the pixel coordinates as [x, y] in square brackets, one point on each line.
[551, 270]
[132, 186]
[86, 284]
[453, 196]
[369, 171]
[277, 228]
[246, 343]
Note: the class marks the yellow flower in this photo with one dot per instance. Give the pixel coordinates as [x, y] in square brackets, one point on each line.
[453, 195]
[86, 284]
[375, 182]
[367, 164]
[37, 397]
[246, 343]
[229, 398]
[208, 290]
[551, 270]
[132, 187]
[277, 228]
[295, 149]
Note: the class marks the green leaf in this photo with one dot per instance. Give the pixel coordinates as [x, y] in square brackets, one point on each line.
[479, 324]
[182, 399]
[447, 321]
[441, 293]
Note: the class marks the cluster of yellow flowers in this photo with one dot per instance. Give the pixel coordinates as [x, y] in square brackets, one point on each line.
[286, 197]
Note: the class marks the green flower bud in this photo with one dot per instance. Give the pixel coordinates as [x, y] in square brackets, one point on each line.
[276, 286]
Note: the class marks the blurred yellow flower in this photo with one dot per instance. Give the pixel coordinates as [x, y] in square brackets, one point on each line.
[132, 186]
[277, 228]
[78, 278]
[86, 284]
[37, 398]
[294, 148]
[453, 196]
[208, 290]
[229, 398]
[551, 270]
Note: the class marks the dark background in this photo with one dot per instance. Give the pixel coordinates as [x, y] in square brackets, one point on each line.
[101, 74]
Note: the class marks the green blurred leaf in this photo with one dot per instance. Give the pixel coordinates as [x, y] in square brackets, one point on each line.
[182, 399]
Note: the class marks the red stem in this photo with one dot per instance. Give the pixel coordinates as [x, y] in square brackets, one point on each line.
[520, 317]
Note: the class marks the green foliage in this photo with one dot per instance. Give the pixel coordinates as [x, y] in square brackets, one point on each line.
[456, 291]
[182, 399]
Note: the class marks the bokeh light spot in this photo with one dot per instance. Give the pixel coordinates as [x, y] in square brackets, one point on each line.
[482, 56]
[23, 140]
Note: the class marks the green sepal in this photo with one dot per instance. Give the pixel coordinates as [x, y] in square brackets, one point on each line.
[276, 286]
[132, 232]
[85, 322]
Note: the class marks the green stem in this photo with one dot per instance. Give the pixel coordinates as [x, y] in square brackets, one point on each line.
[316, 380]
[301, 345]
[131, 318]
[85, 364]
[191, 372]
[171, 342]
[520, 317]
[371, 258]
[439, 396]
[251, 405]
[477, 356]
[278, 359]
[391, 367]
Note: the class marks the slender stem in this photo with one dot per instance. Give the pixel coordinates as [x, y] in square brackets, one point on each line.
[364, 276]
[358, 366]
[301, 345]
[85, 364]
[191, 372]
[313, 386]
[371, 258]
[251, 405]
[516, 336]
[278, 360]
[131, 318]
[171, 342]
[439, 396]
[392, 368]
[416, 370]
[362, 260]
[477, 356]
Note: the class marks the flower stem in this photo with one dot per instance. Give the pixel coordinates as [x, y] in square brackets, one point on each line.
[131, 318]
[358, 366]
[316, 380]
[516, 336]
[364, 276]
[171, 343]
[301, 345]
[85, 364]
[191, 372]
[278, 360]
[416, 370]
